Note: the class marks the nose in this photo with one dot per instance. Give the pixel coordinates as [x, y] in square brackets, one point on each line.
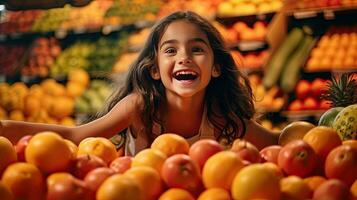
[185, 60]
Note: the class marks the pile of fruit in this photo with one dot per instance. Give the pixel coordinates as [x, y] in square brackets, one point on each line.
[45, 166]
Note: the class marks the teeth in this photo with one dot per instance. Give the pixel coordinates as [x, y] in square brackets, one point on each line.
[185, 73]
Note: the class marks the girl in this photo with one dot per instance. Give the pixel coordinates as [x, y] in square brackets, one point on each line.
[184, 81]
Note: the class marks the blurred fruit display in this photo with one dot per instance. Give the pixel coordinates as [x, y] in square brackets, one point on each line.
[41, 57]
[230, 8]
[335, 50]
[9, 58]
[19, 21]
[51, 20]
[127, 12]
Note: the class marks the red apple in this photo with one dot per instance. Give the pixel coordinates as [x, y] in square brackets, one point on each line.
[325, 105]
[332, 189]
[97, 176]
[246, 151]
[201, 150]
[180, 171]
[295, 105]
[341, 163]
[64, 186]
[86, 163]
[270, 153]
[317, 87]
[21, 146]
[303, 89]
[121, 164]
[310, 104]
[297, 158]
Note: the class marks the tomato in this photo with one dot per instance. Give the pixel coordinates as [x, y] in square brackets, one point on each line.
[270, 153]
[65, 186]
[121, 164]
[303, 89]
[201, 150]
[246, 151]
[97, 176]
[180, 171]
[297, 158]
[341, 163]
[85, 163]
[21, 146]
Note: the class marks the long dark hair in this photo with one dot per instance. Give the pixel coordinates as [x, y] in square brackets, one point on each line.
[228, 97]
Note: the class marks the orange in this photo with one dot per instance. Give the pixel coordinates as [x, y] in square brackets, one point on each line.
[32, 105]
[72, 147]
[322, 139]
[294, 188]
[79, 76]
[276, 169]
[5, 192]
[149, 157]
[176, 194]
[353, 189]
[256, 181]
[99, 146]
[170, 144]
[24, 180]
[215, 194]
[149, 180]
[62, 106]
[74, 89]
[49, 152]
[220, 170]
[314, 181]
[352, 143]
[7, 153]
[119, 186]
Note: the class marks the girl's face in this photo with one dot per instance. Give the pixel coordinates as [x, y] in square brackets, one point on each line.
[185, 60]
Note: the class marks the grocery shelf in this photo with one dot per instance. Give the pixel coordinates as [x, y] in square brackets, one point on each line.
[250, 19]
[327, 13]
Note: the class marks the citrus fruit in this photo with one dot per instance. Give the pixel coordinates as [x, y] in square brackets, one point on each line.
[7, 153]
[149, 157]
[99, 146]
[256, 181]
[176, 194]
[24, 180]
[120, 187]
[293, 131]
[294, 187]
[314, 181]
[215, 194]
[220, 170]
[149, 180]
[5, 192]
[170, 144]
[49, 152]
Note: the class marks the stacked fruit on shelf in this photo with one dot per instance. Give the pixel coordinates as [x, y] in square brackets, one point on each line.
[18, 21]
[207, 9]
[270, 125]
[240, 31]
[41, 57]
[93, 98]
[308, 95]
[136, 40]
[337, 49]
[48, 102]
[266, 100]
[229, 8]
[87, 17]
[250, 60]
[306, 4]
[51, 20]
[127, 12]
[75, 56]
[107, 50]
[10, 58]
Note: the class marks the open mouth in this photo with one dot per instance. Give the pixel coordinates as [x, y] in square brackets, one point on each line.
[185, 75]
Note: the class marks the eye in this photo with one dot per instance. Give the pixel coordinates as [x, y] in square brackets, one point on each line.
[197, 49]
[170, 50]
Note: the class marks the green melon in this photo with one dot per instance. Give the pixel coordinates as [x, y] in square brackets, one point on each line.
[329, 116]
[345, 123]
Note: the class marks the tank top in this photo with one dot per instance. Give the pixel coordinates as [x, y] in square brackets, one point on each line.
[206, 131]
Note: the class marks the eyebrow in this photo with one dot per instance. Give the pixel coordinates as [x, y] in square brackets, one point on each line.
[191, 40]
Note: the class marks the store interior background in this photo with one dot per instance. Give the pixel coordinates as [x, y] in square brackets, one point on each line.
[58, 63]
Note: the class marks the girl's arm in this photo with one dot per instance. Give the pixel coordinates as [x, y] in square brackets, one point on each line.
[260, 136]
[119, 118]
